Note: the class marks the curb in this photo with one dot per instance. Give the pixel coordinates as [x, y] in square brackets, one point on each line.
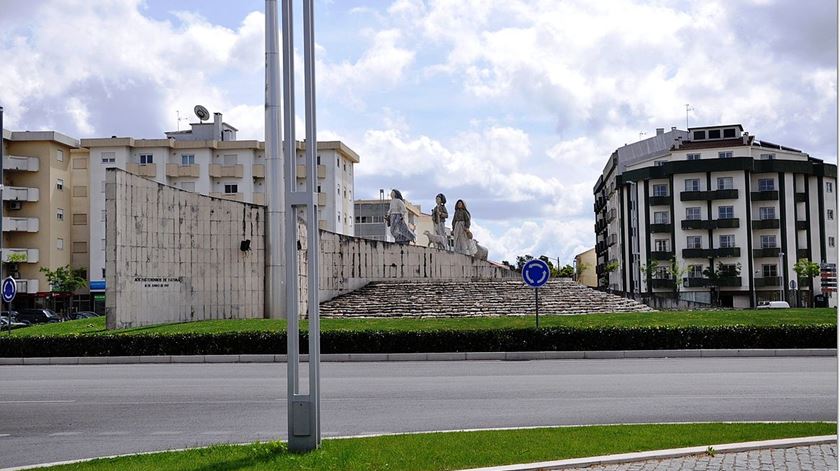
[662, 454]
[432, 356]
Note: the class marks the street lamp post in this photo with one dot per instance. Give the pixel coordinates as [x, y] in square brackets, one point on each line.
[781, 277]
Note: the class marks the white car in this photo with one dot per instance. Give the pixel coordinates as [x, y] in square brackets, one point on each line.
[773, 305]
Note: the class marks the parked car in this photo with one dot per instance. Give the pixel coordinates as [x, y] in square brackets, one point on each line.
[6, 314]
[38, 316]
[773, 305]
[4, 324]
[83, 315]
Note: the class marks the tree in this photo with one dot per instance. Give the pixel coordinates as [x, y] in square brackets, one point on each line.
[65, 280]
[676, 272]
[567, 271]
[723, 271]
[521, 260]
[580, 268]
[806, 270]
[609, 268]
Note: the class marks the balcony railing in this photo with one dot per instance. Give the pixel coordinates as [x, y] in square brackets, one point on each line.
[696, 224]
[800, 197]
[695, 282]
[765, 224]
[175, 170]
[769, 195]
[659, 200]
[228, 196]
[662, 283]
[20, 255]
[709, 253]
[661, 255]
[727, 223]
[803, 253]
[731, 194]
[20, 224]
[321, 171]
[727, 252]
[19, 193]
[729, 281]
[143, 170]
[20, 163]
[768, 281]
[225, 171]
[661, 227]
[27, 286]
[766, 252]
[258, 171]
[801, 225]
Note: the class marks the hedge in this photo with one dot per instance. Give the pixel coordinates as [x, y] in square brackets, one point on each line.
[346, 341]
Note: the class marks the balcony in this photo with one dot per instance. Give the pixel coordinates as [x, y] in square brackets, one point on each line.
[226, 171]
[803, 253]
[800, 197]
[18, 193]
[320, 169]
[143, 170]
[654, 255]
[20, 255]
[766, 252]
[600, 225]
[801, 225]
[228, 196]
[710, 253]
[662, 227]
[20, 224]
[770, 195]
[322, 199]
[765, 224]
[175, 170]
[727, 223]
[696, 224]
[258, 171]
[692, 282]
[724, 252]
[768, 282]
[662, 283]
[709, 195]
[259, 198]
[729, 281]
[659, 200]
[27, 286]
[20, 163]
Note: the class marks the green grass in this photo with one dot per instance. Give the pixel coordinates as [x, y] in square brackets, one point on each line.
[647, 319]
[458, 450]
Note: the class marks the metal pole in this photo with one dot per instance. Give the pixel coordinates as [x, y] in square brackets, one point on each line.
[276, 282]
[781, 277]
[537, 305]
[2, 182]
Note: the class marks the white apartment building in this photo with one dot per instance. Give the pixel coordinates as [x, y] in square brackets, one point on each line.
[208, 159]
[714, 198]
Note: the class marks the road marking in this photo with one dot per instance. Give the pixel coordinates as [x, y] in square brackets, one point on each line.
[38, 402]
[217, 432]
[102, 434]
[5, 435]
[166, 433]
[64, 434]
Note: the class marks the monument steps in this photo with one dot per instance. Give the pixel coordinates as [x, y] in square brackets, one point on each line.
[458, 298]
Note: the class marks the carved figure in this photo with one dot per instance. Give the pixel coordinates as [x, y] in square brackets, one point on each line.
[480, 252]
[397, 219]
[461, 228]
[436, 241]
[439, 216]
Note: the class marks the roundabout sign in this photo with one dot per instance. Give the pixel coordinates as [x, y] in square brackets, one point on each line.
[535, 273]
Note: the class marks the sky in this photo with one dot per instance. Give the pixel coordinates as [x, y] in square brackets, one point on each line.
[513, 106]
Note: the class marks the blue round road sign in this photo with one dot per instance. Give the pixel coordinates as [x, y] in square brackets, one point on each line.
[535, 273]
[9, 289]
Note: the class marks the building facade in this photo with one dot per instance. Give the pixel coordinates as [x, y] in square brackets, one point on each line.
[585, 268]
[370, 221]
[714, 215]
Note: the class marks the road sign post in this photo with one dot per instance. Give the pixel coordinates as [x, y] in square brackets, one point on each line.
[9, 290]
[535, 273]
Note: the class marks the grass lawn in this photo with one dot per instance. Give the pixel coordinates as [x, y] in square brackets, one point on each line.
[458, 450]
[664, 319]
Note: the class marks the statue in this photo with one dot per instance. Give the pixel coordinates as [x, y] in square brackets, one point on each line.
[461, 229]
[439, 215]
[397, 219]
[439, 242]
[479, 251]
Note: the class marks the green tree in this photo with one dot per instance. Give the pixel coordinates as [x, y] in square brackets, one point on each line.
[609, 268]
[521, 260]
[567, 271]
[676, 271]
[806, 269]
[64, 281]
[723, 271]
[580, 268]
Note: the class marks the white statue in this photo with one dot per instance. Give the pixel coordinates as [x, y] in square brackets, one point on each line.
[398, 219]
[439, 216]
[436, 241]
[461, 228]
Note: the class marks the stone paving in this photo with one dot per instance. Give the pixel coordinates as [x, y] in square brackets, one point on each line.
[803, 458]
[459, 298]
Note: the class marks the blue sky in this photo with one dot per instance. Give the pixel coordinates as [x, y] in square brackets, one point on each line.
[511, 105]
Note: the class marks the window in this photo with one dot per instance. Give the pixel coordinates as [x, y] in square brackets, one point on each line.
[230, 159]
[767, 213]
[699, 135]
[80, 219]
[829, 214]
[695, 271]
[338, 217]
[660, 190]
[693, 213]
[59, 214]
[188, 186]
[187, 159]
[59, 184]
[769, 270]
[319, 188]
[714, 134]
[768, 241]
[692, 156]
[694, 242]
[724, 183]
[230, 189]
[766, 184]
[59, 244]
[662, 273]
[692, 184]
[146, 159]
[727, 241]
[662, 245]
[660, 163]
[726, 212]
[318, 159]
[829, 187]
[830, 241]
[729, 132]
[725, 155]
[59, 155]
[660, 217]
[80, 163]
[337, 162]
[767, 156]
[108, 157]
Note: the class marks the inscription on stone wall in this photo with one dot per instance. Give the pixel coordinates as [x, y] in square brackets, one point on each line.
[156, 282]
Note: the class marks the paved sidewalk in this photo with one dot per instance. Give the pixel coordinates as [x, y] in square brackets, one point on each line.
[802, 458]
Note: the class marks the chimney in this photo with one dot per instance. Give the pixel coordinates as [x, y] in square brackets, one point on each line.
[660, 131]
[217, 127]
[673, 128]
[746, 137]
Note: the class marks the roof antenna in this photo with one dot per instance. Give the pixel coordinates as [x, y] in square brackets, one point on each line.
[687, 109]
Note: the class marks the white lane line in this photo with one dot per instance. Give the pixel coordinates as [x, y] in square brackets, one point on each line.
[217, 432]
[170, 432]
[57, 401]
[103, 434]
[64, 434]
[5, 435]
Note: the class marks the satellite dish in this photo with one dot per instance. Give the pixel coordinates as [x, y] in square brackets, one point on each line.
[201, 112]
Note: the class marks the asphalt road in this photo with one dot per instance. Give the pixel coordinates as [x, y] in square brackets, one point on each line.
[51, 413]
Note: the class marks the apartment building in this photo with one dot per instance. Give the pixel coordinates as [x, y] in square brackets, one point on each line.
[370, 220]
[732, 212]
[37, 224]
[208, 159]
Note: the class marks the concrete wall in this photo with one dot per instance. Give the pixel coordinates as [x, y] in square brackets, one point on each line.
[174, 256]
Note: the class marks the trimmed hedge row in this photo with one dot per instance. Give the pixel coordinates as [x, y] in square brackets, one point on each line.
[346, 341]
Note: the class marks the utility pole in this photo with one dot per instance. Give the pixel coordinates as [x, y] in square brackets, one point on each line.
[2, 182]
[687, 109]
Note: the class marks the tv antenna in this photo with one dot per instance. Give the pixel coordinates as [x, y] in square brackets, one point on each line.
[687, 109]
[201, 112]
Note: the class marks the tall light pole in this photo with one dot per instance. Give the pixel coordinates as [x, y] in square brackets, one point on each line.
[781, 277]
[276, 276]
